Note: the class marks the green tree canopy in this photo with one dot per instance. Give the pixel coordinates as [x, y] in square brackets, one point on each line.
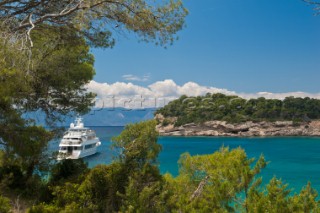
[235, 109]
[61, 65]
[95, 20]
[45, 63]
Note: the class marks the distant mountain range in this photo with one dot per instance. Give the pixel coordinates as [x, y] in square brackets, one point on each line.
[117, 116]
[103, 117]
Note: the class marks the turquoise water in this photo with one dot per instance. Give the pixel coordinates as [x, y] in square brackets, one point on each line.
[296, 160]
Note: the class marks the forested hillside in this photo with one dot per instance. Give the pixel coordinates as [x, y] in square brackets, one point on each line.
[235, 109]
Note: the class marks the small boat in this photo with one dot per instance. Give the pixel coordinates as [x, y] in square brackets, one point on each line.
[78, 142]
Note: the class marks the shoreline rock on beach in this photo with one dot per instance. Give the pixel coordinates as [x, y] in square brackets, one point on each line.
[244, 129]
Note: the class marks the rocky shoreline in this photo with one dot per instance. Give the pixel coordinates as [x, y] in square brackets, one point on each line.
[246, 129]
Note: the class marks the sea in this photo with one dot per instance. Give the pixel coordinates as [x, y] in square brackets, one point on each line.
[296, 160]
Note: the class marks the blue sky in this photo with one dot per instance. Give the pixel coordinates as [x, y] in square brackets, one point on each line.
[247, 46]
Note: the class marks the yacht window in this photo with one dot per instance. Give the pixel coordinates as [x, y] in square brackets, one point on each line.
[77, 148]
[89, 146]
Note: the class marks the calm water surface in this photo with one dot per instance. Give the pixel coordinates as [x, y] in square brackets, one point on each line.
[294, 159]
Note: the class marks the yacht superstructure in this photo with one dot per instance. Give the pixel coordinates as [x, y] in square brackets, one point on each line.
[78, 142]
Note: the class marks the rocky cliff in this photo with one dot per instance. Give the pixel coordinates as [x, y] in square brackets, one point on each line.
[246, 129]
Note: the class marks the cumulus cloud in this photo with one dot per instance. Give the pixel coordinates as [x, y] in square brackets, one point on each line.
[158, 94]
[281, 96]
[117, 89]
[130, 77]
[166, 88]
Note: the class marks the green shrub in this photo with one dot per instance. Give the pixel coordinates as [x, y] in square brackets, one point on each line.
[68, 170]
[44, 208]
[4, 204]
[165, 122]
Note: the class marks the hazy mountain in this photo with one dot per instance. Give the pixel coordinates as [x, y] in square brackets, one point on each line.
[117, 117]
[103, 117]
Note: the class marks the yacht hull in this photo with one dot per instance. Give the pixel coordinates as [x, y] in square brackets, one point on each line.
[78, 142]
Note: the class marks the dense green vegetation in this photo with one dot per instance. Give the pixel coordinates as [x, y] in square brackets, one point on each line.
[45, 63]
[225, 181]
[235, 109]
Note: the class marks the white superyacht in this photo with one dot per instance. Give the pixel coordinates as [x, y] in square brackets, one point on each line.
[78, 142]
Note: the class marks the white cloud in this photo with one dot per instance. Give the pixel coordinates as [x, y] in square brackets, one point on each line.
[117, 89]
[194, 89]
[129, 95]
[166, 88]
[130, 77]
[269, 95]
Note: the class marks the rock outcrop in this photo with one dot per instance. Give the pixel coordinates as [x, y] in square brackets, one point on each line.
[246, 129]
